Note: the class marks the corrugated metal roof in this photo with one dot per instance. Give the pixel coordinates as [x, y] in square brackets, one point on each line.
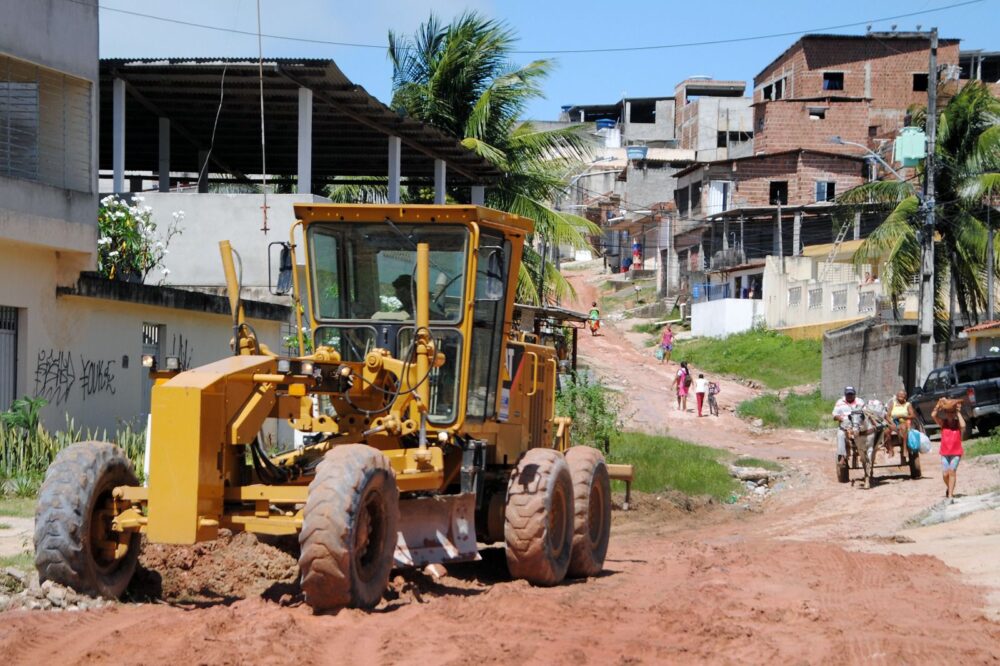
[350, 126]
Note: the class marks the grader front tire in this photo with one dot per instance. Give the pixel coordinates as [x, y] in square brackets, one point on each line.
[538, 519]
[349, 529]
[592, 511]
[74, 543]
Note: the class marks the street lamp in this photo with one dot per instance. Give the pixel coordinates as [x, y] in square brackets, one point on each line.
[925, 314]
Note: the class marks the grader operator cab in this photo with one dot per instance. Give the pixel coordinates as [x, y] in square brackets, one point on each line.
[430, 424]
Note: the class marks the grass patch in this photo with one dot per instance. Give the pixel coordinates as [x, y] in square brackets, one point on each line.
[24, 561]
[773, 359]
[769, 465]
[18, 507]
[810, 411]
[649, 328]
[5, 526]
[666, 463]
[984, 446]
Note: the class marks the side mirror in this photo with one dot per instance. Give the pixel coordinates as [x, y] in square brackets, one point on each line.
[917, 390]
[283, 285]
[494, 276]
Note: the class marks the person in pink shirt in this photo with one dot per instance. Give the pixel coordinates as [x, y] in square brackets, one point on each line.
[682, 380]
[667, 343]
[948, 415]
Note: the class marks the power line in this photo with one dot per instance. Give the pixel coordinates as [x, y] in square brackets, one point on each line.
[620, 49]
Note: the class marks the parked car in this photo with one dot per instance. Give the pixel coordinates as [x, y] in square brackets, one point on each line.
[976, 381]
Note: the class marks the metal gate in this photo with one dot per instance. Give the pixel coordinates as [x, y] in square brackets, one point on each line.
[152, 343]
[8, 356]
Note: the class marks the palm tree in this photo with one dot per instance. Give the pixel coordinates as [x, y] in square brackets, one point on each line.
[459, 78]
[968, 161]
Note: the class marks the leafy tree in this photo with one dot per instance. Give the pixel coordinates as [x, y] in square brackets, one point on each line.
[968, 162]
[459, 77]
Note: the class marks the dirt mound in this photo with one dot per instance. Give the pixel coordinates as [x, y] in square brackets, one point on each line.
[239, 566]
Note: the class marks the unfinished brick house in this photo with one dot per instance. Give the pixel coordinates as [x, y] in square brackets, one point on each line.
[777, 200]
[858, 87]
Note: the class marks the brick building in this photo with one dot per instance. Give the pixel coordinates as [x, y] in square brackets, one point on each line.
[856, 86]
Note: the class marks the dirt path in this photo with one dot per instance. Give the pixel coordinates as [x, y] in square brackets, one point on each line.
[817, 576]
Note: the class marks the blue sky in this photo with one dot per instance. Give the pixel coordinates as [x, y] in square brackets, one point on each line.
[541, 25]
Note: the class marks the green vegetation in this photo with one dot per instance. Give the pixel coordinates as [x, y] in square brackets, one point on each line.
[24, 561]
[984, 446]
[769, 465]
[773, 359]
[665, 463]
[17, 507]
[27, 448]
[594, 409]
[809, 411]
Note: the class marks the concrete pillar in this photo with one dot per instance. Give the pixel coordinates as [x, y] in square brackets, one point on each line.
[478, 195]
[118, 134]
[797, 234]
[305, 140]
[202, 171]
[164, 155]
[857, 225]
[440, 180]
[395, 167]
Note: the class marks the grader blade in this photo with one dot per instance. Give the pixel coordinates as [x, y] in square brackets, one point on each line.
[437, 529]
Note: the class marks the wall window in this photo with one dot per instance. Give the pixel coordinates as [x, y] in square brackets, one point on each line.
[839, 300]
[774, 90]
[695, 196]
[642, 112]
[794, 296]
[833, 80]
[815, 298]
[681, 199]
[45, 126]
[778, 192]
[920, 82]
[817, 113]
[866, 301]
[826, 190]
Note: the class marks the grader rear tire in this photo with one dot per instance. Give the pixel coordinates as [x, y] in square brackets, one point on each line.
[74, 543]
[538, 519]
[349, 528]
[592, 511]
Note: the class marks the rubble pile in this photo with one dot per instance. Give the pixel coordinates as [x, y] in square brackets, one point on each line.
[26, 593]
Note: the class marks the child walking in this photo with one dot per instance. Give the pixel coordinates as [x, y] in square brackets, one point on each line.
[948, 415]
[700, 391]
[713, 403]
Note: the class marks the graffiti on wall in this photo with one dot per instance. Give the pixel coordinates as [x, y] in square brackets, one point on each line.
[57, 374]
[54, 375]
[181, 347]
[96, 377]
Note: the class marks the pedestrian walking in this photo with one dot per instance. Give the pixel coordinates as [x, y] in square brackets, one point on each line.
[700, 391]
[948, 415]
[682, 382]
[713, 403]
[667, 343]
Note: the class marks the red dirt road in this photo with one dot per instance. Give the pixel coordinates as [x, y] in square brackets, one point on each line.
[719, 585]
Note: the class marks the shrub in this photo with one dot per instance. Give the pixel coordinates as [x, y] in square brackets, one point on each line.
[810, 411]
[127, 247]
[594, 409]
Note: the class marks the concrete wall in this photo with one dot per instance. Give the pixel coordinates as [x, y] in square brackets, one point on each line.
[661, 130]
[209, 218]
[716, 319]
[82, 354]
[62, 36]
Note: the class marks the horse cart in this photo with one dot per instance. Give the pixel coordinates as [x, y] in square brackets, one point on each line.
[867, 433]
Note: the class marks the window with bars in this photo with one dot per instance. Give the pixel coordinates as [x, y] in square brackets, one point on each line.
[839, 300]
[45, 126]
[794, 296]
[866, 301]
[815, 298]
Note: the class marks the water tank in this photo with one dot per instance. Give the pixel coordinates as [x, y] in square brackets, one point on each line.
[605, 123]
[636, 152]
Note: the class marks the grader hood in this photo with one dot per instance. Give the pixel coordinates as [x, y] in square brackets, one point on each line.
[191, 455]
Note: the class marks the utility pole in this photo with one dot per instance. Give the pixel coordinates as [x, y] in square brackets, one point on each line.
[925, 359]
[781, 243]
[989, 262]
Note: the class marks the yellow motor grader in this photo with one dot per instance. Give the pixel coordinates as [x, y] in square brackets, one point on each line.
[429, 422]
